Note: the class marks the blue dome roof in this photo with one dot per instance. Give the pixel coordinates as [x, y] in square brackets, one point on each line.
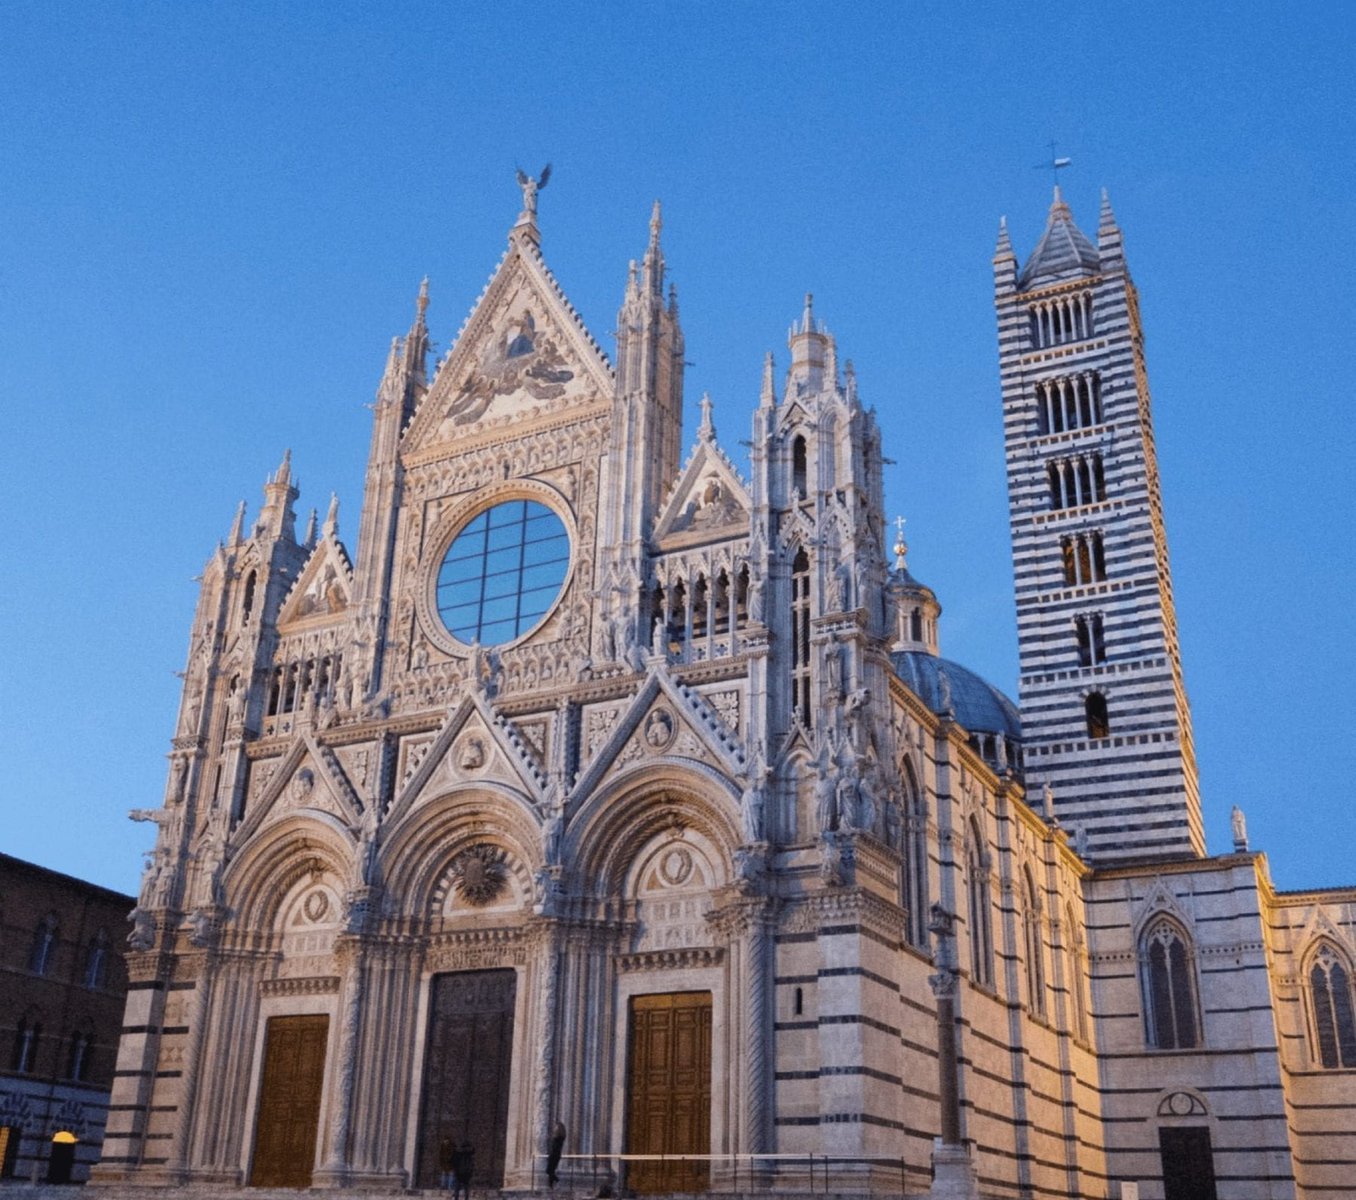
[977, 705]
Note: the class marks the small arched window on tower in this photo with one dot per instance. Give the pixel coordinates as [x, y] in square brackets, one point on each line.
[799, 468]
[1168, 985]
[26, 1039]
[1091, 639]
[1094, 709]
[1331, 1002]
[800, 638]
[916, 625]
[247, 604]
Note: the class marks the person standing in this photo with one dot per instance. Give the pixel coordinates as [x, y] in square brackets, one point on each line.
[463, 1167]
[557, 1148]
[447, 1154]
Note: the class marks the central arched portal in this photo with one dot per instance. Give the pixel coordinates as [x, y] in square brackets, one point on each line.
[668, 1092]
[466, 1074]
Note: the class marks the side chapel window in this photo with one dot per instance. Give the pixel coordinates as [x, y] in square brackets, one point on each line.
[981, 931]
[1334, 1025]
[1168, 980]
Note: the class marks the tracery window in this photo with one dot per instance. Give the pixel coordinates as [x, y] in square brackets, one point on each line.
[1168, 984]
[96, 961]
[800, 637]
[1035, 949]
[1076, 481]
[981, 931]
[1066, 404]
[914, 855]
[1091, 639]
[1334, 1022]
[1083, 557]
[1077, 987]
[44, 945]
[26, 1039]
[1062, 319]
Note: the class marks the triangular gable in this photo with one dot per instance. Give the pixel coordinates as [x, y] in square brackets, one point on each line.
[664, 718]
[452, 757]
[324, 586]
[522, 351]
[308, 778]
[708, 497]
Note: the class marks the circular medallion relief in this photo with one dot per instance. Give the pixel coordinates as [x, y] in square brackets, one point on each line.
[503, 572]
[675, 867]
[315, 906]
[660, 728]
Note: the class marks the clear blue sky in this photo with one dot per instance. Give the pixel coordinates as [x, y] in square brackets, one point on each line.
[214, 217]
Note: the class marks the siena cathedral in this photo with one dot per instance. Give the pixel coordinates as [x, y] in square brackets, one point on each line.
[602, 792]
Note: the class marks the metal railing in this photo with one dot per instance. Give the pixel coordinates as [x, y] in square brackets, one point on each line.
[739, 1174]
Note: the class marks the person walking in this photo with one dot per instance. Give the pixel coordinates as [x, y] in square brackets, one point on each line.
[557, 1148]
[463, 1167]
[447, 1154]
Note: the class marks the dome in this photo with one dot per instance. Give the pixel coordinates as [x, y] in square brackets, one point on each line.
[978, 705]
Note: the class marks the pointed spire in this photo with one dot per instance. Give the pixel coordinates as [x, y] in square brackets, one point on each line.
[850, 374]
[807, 321]
[416, 342]
[277, 518]
[673, 300]
[1110, 246]
[331, 526]
[632, 282]
[1004, 248]
[707, 430]
[237, 534]
[308, 538]
[283, 475]
[768, 398]
[653, 270]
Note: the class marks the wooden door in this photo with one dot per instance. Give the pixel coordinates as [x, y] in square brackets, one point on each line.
[289, 1101]
[1188, 1163]
[466, 1072]
[669, 1090]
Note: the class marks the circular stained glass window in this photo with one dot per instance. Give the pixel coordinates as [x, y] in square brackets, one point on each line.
[503, 572]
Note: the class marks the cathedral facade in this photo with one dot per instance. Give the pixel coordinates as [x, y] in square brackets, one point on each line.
[603, 787]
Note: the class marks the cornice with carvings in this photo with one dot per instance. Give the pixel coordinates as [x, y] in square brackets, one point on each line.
[308, 985]
[686, 959]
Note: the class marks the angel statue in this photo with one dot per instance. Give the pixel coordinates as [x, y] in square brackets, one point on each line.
[531, 187]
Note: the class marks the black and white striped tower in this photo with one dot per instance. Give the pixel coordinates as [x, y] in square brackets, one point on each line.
[1105, 721]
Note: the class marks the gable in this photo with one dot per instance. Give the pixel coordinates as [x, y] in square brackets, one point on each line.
[522, 354]
[324, 587]
[708, 501]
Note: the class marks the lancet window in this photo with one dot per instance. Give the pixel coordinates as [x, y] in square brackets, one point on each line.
[1330, 998]
[914, 856]
[1035, 949]
[1168, 984]
[1069, 403]
[1083, 556]
[1062, 319]
[78, 1056]
[800, 638]
[1077, 986]
[1091, 639]
[26, 1039]
[44, 945]
[96, 961]
[1097, 716]
[981, 928]
[1076, 481]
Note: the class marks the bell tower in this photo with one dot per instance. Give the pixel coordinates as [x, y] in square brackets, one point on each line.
[1105, 721]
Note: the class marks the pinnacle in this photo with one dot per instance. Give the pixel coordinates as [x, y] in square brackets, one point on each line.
[1004, 248]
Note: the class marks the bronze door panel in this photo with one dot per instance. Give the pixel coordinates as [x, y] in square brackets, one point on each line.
[289, 1101]
[669, 1090]
[466, 1072]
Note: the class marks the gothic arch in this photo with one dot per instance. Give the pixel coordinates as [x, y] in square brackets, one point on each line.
[263, 871]
[419, 851]
[614, 824]
[1330, 1004]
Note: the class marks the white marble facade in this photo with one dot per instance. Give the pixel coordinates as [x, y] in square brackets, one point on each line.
[722, 757]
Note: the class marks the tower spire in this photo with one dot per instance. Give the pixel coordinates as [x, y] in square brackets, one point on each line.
[652, 270]
[768, 398]
[237, 533]
[331, 527]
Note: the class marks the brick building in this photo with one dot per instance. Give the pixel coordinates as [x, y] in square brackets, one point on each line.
[63, 984]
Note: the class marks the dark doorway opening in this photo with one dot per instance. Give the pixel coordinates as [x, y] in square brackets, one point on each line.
[1188, 1164]
[467, 1072]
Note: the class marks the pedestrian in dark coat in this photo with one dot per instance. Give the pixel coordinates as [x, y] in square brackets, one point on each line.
[463, 1167]
[553, 1156]
[447, 1154]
